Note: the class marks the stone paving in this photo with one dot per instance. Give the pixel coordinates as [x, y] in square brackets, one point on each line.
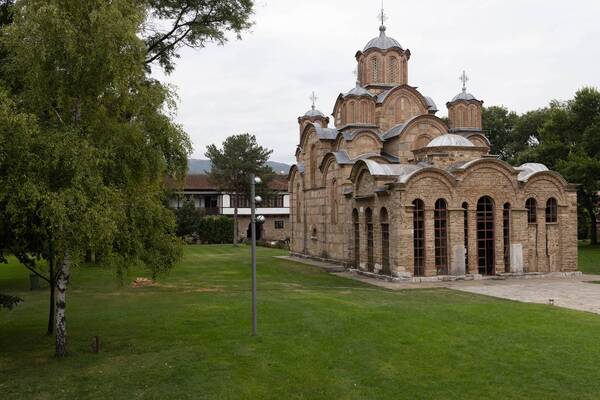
[574, 292]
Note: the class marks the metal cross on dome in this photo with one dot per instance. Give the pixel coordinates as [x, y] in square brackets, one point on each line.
[464, 79]
[313, 98]
[382, 17]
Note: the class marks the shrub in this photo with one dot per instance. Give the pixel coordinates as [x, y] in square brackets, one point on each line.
[216, 229]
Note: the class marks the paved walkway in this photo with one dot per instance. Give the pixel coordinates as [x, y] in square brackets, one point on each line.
[575, 292]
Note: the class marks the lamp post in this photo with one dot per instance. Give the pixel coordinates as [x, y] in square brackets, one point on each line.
[254, 180]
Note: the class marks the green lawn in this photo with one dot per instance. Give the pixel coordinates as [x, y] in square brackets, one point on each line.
[320, 337]
[589, 259]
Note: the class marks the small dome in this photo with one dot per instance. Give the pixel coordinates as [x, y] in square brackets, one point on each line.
[528, 169]
[313, 112]
[464, 96]
[450, 139]
[382, 42]
[358, 91]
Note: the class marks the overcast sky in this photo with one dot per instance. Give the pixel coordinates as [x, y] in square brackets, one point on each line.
[519, 54]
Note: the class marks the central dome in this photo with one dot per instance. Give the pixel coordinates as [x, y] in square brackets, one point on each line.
[450, 140]
[382, 42]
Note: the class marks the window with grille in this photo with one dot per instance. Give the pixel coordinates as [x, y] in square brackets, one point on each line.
[531, 206]
[240, 201]
[485, 236]
[356, 238]
[551, 210]
[419, 237]
[374, 69]
[385, 242]
[369, 223]
[465, 207]
[440, 217]
[506, 235]
[278, 224]
[393, 70]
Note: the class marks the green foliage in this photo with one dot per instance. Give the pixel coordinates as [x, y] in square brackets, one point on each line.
[216, 229]
[95, 138]
[188, 219]
[9, 302]
[192, 23]
[239, 157]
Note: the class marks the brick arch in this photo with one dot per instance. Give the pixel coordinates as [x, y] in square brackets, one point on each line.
[401, 104]
[500, 166]
[549, 178]
[308, 131]
[445, 178]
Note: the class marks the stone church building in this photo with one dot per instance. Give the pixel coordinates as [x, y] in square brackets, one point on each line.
[393, 189]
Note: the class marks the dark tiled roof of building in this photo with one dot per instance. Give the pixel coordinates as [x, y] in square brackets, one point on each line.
[202, 182]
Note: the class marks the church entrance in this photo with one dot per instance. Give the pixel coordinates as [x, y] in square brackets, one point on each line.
[485, 236]
[258, 231]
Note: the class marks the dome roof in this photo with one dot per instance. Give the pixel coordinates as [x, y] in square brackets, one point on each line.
[528, 169]
[464, 96]
[358, 91]
[382, 42]
[450, 139]
[313, 112]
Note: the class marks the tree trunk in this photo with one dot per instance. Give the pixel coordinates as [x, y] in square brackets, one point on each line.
[594, 226]
[62, 280]
[235, 225]
[52, 288]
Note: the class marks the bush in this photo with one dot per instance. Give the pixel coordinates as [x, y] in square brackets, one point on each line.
[216, 230]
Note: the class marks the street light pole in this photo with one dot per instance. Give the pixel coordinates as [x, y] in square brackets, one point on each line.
[253, 231]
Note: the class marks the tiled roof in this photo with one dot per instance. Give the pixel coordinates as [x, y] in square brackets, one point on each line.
[202, 182]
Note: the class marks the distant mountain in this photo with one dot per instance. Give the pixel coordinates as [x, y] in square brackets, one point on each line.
[202, 166]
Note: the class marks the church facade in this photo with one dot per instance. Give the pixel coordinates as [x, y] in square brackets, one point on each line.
[392, 189]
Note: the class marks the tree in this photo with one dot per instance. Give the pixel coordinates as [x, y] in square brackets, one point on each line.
[86, 141]
[192, 23]
[569, 141]
[232, 165]
[188, 218]
[498, 124]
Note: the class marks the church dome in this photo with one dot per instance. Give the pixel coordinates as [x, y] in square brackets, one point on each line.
[382, 42]
[464, 96]
[313, 112]
[358, 91]
[450, 139]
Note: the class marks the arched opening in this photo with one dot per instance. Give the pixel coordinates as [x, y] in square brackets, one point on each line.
[551, 211]
[356, 230]
[259, 229]
[506, 235]
[465, 207]
[369, 223]
[298, 211]
[419, 237]
[393, 70]
[374, 69]
[440, 217]
[485, 235]
[531, 206]
[333, 202]
[385, 241]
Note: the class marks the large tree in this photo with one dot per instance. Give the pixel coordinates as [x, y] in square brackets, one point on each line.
[86, 141]
[233, 163]
[569, 142]
[192, 23]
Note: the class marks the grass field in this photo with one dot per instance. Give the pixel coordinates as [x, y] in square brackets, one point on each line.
[589, 259]
[320, 337]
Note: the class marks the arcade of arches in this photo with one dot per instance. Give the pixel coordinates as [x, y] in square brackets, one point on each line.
[392, 189]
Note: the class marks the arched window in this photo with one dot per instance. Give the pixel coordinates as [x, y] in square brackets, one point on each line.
[419, 237]
[369, 223]
[356, 229]
[374, 68]
[393, 70]
[333, 202]
[485, 236]
[313, 166]
[531, 206]
[465, 207]
[506, 235]
[551, 210]
[385, 241]
[440, 217]
[298, 210]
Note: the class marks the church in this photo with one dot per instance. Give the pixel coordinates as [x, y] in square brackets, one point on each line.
[392, 189]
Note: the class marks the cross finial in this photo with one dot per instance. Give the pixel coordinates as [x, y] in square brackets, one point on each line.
[382, 17]
[313, 98]
[464, 79]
